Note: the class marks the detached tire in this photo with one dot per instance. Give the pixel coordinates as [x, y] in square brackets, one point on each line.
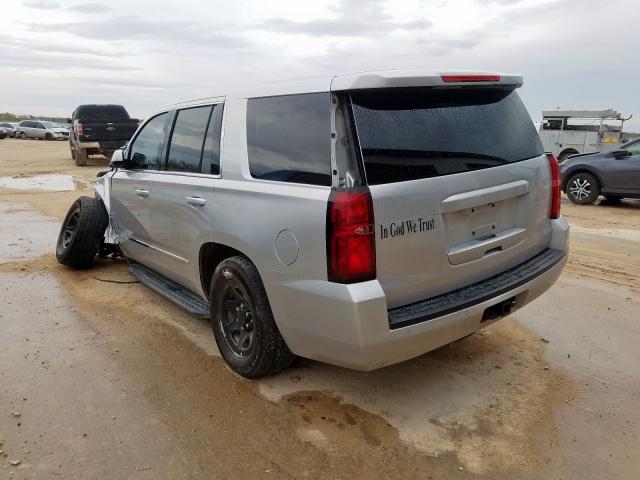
[583, 188]
[82, 233]
[243, 325]
[81, 157]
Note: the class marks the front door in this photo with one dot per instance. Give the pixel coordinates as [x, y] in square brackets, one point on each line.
[624, 173]
[132, 192]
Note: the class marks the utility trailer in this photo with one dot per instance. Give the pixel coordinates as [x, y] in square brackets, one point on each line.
[570, 132]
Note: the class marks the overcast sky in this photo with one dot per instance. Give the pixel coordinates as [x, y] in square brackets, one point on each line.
[56, 54]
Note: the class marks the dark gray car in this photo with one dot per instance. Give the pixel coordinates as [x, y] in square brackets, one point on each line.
[614, 174]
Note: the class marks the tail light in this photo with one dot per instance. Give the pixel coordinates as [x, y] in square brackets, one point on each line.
[79, 129]
[351, 248]
[555, 186]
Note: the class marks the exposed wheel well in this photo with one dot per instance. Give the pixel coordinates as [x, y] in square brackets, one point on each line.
[566, 152]
[211, 254]
[575, 172]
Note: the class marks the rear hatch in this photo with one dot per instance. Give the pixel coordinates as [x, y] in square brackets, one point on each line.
[459, 181]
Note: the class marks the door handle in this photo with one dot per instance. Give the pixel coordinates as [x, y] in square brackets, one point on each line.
[142, 192]
[196, 201]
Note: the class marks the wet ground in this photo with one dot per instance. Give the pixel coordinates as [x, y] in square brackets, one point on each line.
[102, 378]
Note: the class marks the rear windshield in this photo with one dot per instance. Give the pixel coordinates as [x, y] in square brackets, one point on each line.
[424, 133]
[102, 112]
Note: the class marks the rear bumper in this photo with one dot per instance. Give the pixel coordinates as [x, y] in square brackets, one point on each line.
[106, 145]
[349, 325]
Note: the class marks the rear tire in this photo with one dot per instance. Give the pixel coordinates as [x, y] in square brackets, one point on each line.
[82, 233]
[583, 188]
[23, 135]
[243, 325]
[81, 157]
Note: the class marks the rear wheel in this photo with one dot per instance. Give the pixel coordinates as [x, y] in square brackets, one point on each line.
[242, 321]
[81, 157]
[583, 188]
[23, 135]
[82, 233]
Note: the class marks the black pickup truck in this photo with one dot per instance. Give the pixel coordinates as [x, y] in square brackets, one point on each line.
[99, 130]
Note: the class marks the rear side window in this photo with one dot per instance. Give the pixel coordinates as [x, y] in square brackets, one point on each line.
[288, 138]
[414, 134]
[211, 153]
[146, 148]
[185, 149]
[101, 112]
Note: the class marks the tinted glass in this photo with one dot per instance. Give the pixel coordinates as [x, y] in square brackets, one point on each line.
[102, 112]
[427, 133]
[288, 138]
[634, 148]
[145, 150]
[211, 153]
[187, 139]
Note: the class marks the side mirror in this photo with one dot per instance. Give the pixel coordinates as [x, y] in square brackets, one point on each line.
[117, 159]
[619, 154]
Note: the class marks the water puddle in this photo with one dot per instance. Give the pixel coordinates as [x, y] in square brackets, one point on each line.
[52, 183]
[26, 233]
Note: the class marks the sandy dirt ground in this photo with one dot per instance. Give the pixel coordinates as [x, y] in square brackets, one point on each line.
[102, 378]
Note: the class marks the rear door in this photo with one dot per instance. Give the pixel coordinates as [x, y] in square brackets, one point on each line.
[184, 192]
[460, 186]
[132, 192]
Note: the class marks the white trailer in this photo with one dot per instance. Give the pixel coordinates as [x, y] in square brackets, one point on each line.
[569, 132]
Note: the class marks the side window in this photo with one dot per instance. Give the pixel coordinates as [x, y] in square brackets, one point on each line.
[211, 152]
[634, 148]
[146, 148]
[185, 149]
[39, 126]
[288, 138]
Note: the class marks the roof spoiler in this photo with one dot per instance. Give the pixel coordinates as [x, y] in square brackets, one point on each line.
[414, 79]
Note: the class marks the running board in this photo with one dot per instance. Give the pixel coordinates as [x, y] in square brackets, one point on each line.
[171, 290]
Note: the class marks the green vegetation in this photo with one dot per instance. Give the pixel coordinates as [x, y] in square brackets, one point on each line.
[12, 117]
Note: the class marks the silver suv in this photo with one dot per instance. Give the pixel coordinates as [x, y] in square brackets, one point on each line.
[360, 220]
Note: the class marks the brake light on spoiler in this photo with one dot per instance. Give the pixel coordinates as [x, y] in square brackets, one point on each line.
[470, 77]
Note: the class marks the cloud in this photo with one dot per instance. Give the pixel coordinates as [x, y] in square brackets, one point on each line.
[26, 60]
[42, 5]
[90, 8]
[354, 18]
[128, 28]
